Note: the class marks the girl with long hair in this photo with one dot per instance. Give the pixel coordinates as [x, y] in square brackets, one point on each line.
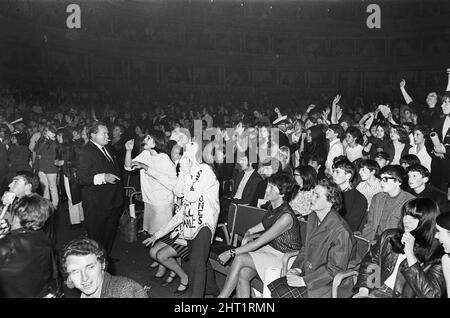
[408, 258]
[66, 156]
[158, 199]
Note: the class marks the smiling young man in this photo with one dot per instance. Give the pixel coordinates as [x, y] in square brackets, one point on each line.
[386, 206]
[84, 262]
[418, 177]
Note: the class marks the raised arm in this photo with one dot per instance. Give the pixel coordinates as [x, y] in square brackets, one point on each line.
[334, 114]
[129, 145]
[405, 94]
[448, 83]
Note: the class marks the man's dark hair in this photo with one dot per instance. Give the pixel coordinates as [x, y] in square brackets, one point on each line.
[383, 155]
[370, 164]
[410, 160]
[82, 246]
[425, 130]
[93, 129]
[30, 178]
[337, 130]
[420, 169]
[346, 165]
[395, 171]
[32, 210]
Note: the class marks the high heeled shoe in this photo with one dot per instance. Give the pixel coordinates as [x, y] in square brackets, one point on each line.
[180, 291]
[169, 279]
[160, 276]
[153, 266]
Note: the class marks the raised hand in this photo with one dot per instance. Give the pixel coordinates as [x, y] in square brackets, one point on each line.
[310, 107]
[408, 240]
[336, 99]
[129, 145]
[402, 83]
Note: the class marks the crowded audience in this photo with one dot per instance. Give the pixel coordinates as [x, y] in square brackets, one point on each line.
[381, 173]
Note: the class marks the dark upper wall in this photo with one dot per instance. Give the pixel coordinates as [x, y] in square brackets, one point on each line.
[301, 47]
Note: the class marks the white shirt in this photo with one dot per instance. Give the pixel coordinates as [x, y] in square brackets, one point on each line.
[153, 191]
[336, 149]
[242, 184]
[369, 190]
[397, 154]
[209, 120]
[354, 153]
[199, 207]
[100, 177]
[390, 281]
[424, 157]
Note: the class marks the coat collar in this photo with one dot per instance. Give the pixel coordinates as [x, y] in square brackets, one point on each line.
[327, 224]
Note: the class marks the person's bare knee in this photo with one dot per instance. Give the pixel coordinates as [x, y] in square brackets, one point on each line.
[165, 254]
[246, 274]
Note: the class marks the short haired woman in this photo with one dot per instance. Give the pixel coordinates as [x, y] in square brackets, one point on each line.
[327, 250]
[264, 244]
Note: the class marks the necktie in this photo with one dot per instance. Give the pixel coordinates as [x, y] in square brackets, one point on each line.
[107, 156]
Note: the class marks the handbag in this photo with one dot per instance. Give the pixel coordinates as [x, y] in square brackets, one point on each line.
[128, 227]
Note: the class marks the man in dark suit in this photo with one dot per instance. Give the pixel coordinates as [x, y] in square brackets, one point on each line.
[245, 182]
[98, 173]
[440, 177]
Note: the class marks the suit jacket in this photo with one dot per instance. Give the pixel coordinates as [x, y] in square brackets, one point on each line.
[259, 193]
[249, 189]
[121, 287]
[92, 161]
[376, 211]
[327, 251]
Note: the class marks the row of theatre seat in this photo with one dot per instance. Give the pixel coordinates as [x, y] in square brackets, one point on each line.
[243, 217]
